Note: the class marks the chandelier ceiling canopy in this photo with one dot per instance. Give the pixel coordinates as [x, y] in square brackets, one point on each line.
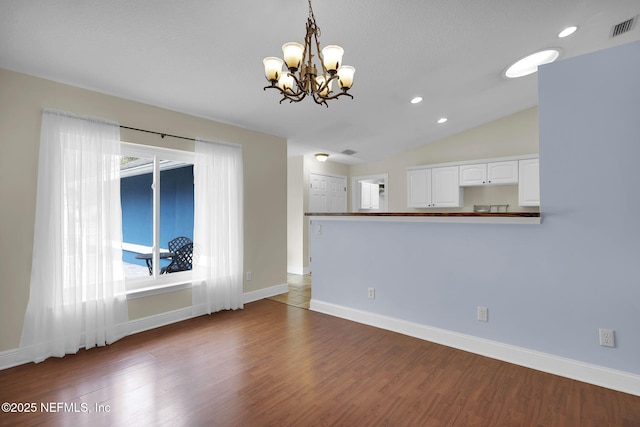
[301, 76]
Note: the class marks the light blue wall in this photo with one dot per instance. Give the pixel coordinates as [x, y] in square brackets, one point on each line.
[548, 287]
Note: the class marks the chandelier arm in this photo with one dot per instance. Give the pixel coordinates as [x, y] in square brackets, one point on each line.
[319, 100]
[292, 100]
[293, 97]
[337, 95]
[325, 85]
[299, 84]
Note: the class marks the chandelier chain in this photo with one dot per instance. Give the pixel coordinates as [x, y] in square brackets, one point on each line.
[312, 18]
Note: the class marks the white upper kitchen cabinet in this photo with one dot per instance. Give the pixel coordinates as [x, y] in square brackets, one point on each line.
[502, 172]
[434, 188]
[419, 188]
[529, 182]
[473, 174]
[493, 173]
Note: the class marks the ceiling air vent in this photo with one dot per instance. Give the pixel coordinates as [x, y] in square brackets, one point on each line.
[623, 27]
[348, 152]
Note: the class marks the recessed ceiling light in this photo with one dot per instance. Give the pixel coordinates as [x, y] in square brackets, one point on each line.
[442, 120]
[567, 31]
[529, 64]
[416, 100]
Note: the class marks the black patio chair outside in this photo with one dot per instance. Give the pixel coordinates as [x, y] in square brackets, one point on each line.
[181, 260]
[178, 242]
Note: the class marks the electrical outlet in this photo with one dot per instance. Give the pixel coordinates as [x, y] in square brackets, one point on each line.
[483, 314]
[371, 293]
[607, 337]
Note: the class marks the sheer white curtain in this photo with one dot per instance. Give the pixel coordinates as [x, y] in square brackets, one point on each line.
[218, 227]
[77, 294]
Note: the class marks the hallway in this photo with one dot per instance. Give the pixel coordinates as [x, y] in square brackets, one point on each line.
[299, 293]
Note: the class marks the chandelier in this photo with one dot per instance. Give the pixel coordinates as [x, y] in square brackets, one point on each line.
[302, 77]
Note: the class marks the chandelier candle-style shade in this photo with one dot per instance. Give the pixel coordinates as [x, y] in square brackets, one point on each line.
[301, 76]
[272, 68]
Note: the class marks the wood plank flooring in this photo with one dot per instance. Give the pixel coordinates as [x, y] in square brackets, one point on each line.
[276, 364]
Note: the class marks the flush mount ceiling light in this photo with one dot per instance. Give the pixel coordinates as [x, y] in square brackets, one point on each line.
[416, 100]
[567, 32]
[442, 120]
[529, 64]
[302, 77]
[322, 157]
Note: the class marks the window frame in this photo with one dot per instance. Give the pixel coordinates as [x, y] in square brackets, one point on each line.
[143, 286]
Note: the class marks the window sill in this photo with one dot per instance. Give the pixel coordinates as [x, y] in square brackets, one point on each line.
[157, 289]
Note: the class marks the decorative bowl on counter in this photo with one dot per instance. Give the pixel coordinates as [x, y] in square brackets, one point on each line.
[491, 208]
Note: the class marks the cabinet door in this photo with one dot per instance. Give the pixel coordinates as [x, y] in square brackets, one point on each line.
[473, 175]
[446, 191]
[365, 195]
[419, 188]
[529, 182]
[375, 196]
[502, 172]
[369, 196]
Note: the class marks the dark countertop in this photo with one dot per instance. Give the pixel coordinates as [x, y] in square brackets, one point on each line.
[428, 214]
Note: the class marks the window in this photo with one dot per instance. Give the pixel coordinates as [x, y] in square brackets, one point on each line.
[156, 193]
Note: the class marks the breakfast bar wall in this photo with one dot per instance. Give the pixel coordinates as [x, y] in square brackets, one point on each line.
[548, 287]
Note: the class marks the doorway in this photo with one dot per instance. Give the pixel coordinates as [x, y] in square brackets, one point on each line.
[377, 199]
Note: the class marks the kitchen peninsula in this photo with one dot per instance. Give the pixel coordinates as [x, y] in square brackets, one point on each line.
[459, 217]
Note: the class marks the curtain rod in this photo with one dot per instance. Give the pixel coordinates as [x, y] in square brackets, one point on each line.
[162, 135]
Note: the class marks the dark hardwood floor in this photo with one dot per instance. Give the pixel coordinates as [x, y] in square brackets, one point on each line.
[275, 364]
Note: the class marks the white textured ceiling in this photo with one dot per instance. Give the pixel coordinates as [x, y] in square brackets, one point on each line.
[205, 58]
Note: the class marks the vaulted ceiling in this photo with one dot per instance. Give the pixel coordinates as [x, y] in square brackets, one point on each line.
[205, 58]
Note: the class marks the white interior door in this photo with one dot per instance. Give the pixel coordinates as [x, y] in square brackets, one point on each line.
[327, 193]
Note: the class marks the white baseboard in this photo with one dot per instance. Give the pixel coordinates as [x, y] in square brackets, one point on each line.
[610, 378]
[295, 270]
[162, 319]
[13, 357]
[265, 293]
[298, 270]
[158, 320]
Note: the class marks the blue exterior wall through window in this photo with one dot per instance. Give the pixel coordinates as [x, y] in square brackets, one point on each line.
[176, 209]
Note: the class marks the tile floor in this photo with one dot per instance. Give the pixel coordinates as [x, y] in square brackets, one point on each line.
[299, 293]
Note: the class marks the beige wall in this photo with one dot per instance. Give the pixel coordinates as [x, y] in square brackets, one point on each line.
[295, 214]
[510, 136]
[22, 99]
